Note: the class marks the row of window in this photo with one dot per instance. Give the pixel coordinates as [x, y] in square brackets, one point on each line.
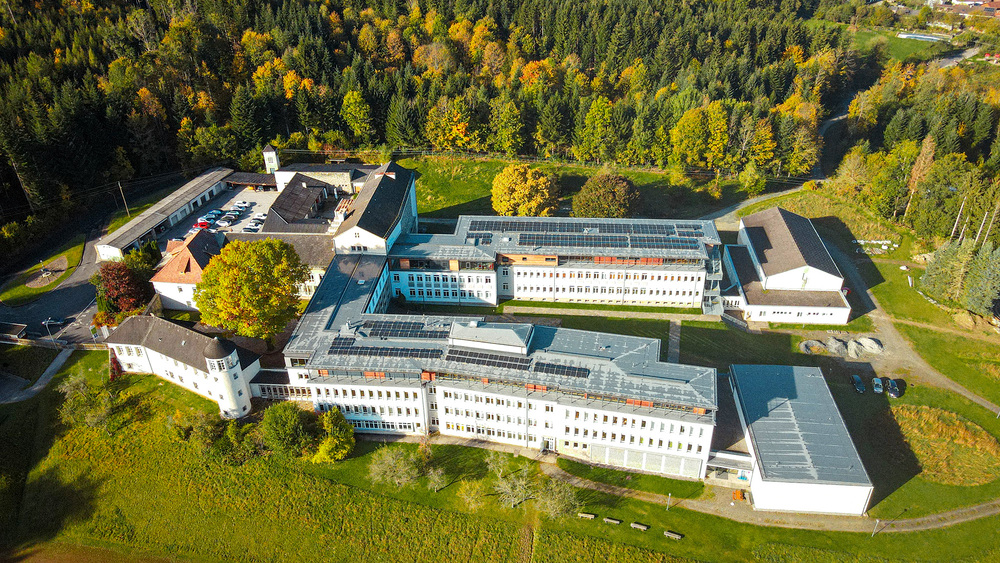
[587, 289]
[383, 425]
[488, 431]
[605, 276]
[360, 393]
[384, 411]
[422, 279]
[643, 441]
[613, 420]
[454, 293]
[489, 400]
[283, 392]
[488, 416]
[180, 379]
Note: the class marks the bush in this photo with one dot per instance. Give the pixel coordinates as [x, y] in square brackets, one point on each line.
[606, 195]
[338, 440]
[284, 429]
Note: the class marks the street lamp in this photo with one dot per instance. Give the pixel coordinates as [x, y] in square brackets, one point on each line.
[48, 330]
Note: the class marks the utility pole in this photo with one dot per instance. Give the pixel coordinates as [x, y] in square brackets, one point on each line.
[31, 204]
[980, 231]
[121, 191]
[990, 227]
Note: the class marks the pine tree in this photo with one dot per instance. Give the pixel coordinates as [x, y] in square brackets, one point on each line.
[982, 284]
[245, 124]
[505, 126]
[397, 123]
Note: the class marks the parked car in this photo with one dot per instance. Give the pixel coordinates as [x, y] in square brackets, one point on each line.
[260, 216]
[251, 229]
[234, 211]
[190, 232]
[256, 223]
[53, 322]
[215, 212]
[859, 385]
[891, 388]
[876, 386]
[201, 225]
[243, 204]
[207, 218]
[225, 222]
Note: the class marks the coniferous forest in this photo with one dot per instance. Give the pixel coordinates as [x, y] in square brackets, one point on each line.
[94, 92]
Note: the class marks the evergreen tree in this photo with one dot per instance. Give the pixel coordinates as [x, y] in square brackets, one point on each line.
[982, 284]
[244, 119]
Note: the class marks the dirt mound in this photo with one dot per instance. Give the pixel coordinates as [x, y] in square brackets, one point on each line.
[811, 347]
[836, 346]
[871, 345]
[855, 349]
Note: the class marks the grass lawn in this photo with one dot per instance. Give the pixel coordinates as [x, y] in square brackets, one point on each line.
[898, 48]
[857, 324]
[142, 489]
[14, 293]
[178, 315]
[449, 186]
[629, 480]
[890, 286]
[973, 364]
[26, 361]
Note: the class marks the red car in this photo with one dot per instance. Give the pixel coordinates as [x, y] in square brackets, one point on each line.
[201, 225]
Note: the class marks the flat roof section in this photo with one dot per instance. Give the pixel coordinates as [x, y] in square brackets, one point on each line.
[161, 210]
[794, 425]
[755, 293]
[570, 236]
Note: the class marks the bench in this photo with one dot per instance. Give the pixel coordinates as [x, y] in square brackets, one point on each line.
[639, 526]
[612, 521]
[673, 535]
[586, 515]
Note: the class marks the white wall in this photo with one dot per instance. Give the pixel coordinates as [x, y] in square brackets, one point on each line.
[229, 387]
[356, 241]
[178, 296]
[804, 278]
[798, 315]
[809, 497]
[662, 286]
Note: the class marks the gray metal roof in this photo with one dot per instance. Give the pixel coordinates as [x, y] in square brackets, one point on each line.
[161, 210]
[795, 427]
[571, 236]
[315, 250]
[439, 247]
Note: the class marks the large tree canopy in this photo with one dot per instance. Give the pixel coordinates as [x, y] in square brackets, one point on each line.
[521, 190]
[251, 287]
[606, 195]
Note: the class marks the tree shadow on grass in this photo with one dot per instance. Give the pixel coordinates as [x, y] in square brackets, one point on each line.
[460, 462]
[478, 206]
[48, 505]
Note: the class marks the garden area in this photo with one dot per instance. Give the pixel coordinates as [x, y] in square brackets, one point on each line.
[140, 487]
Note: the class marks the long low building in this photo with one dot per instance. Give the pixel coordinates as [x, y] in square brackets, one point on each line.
[164, 214]
[803, 456]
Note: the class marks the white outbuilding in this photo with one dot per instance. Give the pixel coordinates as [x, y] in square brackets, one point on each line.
[803, 457]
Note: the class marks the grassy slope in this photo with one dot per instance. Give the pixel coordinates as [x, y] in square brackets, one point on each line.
[142, 489]
[972, 363]
[449, 186]
[138, 205]
[15, 293]
[26, 361]
[637, 481]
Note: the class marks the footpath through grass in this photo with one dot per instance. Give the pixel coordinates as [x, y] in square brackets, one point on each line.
[141, 488]
[27, 362]
[14, 293]
[974, 364]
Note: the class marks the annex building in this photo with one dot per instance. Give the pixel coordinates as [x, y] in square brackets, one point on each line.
[803, 457]
[782, 272]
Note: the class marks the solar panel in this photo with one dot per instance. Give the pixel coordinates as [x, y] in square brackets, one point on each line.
[400, 329]
[344, 347]
[558, 369]
[482, 359]
[478, 226]
[479, 238]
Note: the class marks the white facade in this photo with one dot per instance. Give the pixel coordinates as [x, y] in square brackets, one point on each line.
[797, 315]
[464, 287]
[614, 285]
[357, 240]
[809, 497]
[178, 296]
[222, 381]
[654, 440]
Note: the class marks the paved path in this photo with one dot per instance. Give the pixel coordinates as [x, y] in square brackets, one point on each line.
[43, 380]
[557, 311]
[898, 348]
[73, 298]
[674, 343]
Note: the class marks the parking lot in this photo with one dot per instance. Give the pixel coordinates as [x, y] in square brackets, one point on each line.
[259, 202]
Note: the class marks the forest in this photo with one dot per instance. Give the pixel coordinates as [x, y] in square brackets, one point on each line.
[95, 92]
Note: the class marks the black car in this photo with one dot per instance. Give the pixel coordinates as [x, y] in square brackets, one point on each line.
[53, 322]
[859, 385]
[891, 388]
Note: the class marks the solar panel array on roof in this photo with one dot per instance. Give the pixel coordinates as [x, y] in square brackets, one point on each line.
[401, 329]
[481, 359]
[590, 227]
[558, 369]
[345, 347]
[607, 241]
[479, 238]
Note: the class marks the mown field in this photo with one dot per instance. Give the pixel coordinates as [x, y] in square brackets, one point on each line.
[27, 362]
[140, 488]
[449, 186]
